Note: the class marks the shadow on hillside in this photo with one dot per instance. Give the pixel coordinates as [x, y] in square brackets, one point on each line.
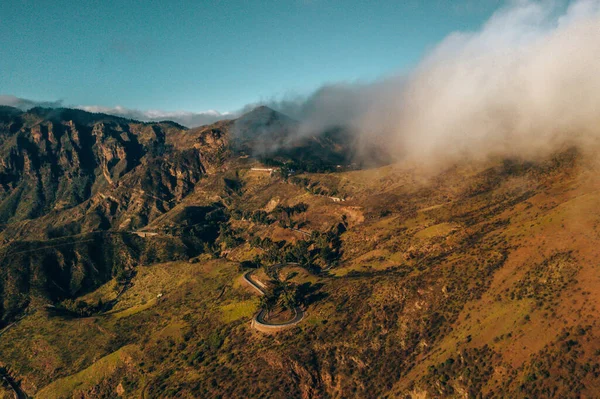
[311, 293]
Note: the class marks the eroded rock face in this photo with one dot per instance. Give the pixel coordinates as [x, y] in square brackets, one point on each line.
[81, 184]
[53, 160]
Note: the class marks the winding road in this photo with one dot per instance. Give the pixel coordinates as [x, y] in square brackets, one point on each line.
[259, 321]
[12, 384]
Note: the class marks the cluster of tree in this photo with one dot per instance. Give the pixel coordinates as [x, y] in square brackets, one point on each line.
[81, 308]
[123, 277]
[281, 214]
[320, 249]
[469, 372]
[314, 187]
[258, 216]
[289, 211]
[301, 181]
[262, 243]
[273, 252]
[202, 222]
[250, 264]
[211, 248]
[292, 167]
[199, 228]
[233, 185]
[283, 293]
[300, 253]
[229, 236]
[328, 244]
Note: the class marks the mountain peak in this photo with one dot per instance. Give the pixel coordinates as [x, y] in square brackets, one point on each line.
[263, 108]
[264, 115]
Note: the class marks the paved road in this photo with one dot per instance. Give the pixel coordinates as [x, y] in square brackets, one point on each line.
[298, 316]
[17, 392]
[306, 233]
[11, 325]
[259, 318]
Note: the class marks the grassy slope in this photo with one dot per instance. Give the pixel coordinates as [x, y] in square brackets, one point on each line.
[495, 269]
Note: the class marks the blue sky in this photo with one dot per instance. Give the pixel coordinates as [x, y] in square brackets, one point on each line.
[210, 54]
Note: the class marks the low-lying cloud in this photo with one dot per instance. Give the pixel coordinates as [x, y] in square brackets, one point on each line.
[525, 84]
[25, 104]
[188, 119]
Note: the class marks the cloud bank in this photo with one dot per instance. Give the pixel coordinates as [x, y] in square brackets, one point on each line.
[523, 85]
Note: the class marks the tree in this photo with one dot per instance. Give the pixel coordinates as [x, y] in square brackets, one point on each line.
[289, 295]
[299, 252]
[272, 273]
[212, 249]
[273, 255]
[248, 264]
[268, 301]
[327, 254]
[255, 242]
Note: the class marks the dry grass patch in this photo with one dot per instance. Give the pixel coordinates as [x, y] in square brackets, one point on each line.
[91, 376]
[239, 310]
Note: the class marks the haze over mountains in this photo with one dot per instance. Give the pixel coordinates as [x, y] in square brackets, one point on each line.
[188, 119]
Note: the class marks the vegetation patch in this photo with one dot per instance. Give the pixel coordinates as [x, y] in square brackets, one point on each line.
[546, 280]
[438, 230]
[91, 376]
[238, 310]
[462, 375]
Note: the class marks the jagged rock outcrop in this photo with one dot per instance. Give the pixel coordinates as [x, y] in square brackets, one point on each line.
[51, 160]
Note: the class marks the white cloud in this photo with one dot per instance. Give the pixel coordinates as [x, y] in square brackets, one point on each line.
[188, 119]
[25, 104]
[185, 118]
[525, 84]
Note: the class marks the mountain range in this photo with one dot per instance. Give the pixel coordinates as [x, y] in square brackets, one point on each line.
[126, 247]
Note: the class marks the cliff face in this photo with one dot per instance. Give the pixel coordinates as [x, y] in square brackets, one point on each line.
[52, 160]
[74, 188]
